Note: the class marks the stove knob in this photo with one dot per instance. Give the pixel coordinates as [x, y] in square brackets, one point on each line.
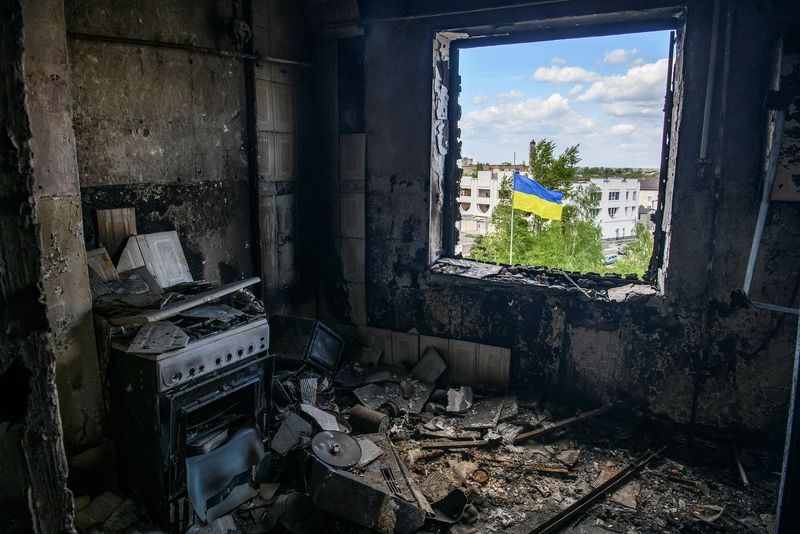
[176, 377]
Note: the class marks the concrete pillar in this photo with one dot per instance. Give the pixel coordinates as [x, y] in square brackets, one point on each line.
[56, 199]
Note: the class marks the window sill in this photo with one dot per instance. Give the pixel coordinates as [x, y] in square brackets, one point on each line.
[609, 288]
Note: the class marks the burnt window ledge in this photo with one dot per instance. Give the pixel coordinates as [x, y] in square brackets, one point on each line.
[591, 286]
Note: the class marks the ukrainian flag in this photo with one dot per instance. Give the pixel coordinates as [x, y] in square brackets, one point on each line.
[531, 196]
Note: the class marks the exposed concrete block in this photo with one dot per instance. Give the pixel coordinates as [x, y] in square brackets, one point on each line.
[352, 253]
[494, 364]
[405, 349]
[352, 215]
[462, 368]
[352, 157]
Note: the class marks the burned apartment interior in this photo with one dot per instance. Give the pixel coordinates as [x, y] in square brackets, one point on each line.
[232, 301]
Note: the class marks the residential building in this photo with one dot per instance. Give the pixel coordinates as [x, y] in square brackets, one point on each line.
[648, 197]
[618, 208]
[477, 199]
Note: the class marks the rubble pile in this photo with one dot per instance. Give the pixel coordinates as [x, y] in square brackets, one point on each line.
[354, 448]
[464, 460]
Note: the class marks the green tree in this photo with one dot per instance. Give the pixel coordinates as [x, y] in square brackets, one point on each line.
[554, 172]
[637, 254]
[572, 244]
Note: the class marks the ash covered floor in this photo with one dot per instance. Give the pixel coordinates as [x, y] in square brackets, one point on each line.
[488, 474]
[693, 486]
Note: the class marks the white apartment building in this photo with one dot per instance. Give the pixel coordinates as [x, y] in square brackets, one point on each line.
[619, 206]
[477, 199]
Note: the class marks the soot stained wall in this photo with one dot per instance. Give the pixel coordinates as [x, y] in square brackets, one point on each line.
[692, 355]
[161, 129]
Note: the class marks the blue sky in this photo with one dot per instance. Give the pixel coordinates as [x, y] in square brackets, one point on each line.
[606, 93]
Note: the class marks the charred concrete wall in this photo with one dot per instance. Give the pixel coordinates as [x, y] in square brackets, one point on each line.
[691, 355]
[46, 313]
[163, 129]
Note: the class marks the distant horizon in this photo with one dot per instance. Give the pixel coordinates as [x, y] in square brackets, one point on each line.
[604, 93]
[524, 162]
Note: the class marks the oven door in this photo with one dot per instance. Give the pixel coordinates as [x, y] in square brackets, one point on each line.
[230, 400]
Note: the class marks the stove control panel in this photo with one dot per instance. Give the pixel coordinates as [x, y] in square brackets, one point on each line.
[204, 356]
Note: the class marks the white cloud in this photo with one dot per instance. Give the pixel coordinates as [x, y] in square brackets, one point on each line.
[576, 89]
[510, 95]
[557, 75]
[651, 109]
[619, 55]
[557, 61]
[640, 84]
[515, 115]
[495, 132]
[623, 128]
[479, 99]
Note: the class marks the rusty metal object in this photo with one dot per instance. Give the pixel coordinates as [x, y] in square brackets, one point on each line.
[480, 475]
[368, 421]
[568, 514]
[539, 432]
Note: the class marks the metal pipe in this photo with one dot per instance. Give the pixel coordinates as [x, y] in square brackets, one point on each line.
[181, 46]
[774, 307]
[568, 514]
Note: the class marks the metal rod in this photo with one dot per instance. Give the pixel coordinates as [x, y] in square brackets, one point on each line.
[454, 444]
[539, 432]
[170, 310]
[181, 46]
[511, 237]
[568, 514]
[574, 283]
[775, 307]
[763, 210]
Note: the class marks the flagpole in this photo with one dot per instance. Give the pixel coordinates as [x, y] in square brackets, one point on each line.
[511, 239]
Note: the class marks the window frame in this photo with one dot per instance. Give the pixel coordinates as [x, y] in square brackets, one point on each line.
[445, 146]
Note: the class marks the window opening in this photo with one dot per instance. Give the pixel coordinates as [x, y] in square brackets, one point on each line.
[583, 117]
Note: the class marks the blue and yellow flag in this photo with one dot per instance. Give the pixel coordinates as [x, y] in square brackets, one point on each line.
[531, 196]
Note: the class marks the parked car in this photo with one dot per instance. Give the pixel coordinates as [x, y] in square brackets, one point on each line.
[611, 258]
